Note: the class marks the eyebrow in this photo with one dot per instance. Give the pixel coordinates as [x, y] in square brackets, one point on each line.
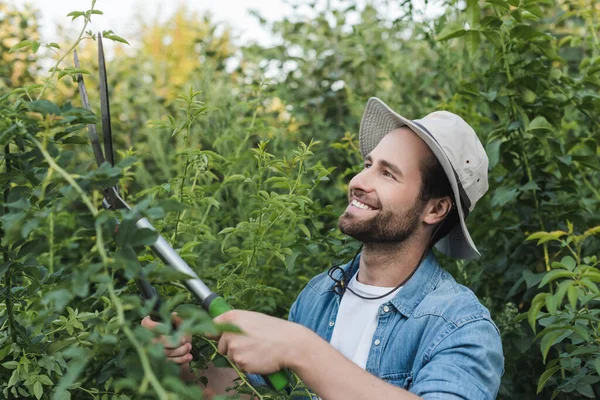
[393, 167]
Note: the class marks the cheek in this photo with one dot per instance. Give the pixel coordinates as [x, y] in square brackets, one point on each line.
[399, 196]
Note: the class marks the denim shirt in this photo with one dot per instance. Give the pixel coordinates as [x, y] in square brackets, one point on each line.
[434, 338]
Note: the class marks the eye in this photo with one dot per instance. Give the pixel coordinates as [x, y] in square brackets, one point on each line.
[368, 165]
[387, 174]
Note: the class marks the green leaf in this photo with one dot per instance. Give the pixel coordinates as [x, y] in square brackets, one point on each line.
[548, 342]
[504, 195]
[473, 13]
[10, 364]
[532, 279]
[551, 304]
[540, 123]
[44, 107]
[111, 36]
[545, 376]
[572, 294]
[531, 185]
[562, 291]
[304, 229]
[472, 41]
[587, 282]
[546, 236]
[35, 46]
[23, 45]
[597, 364]
[38, 391]
[493, 151]
[143, 237]
[75, 14]
[14, 378]
[568, 262]
[554, 275]
[450, 31]
[590, 161]
[586, 390]
[536, 305]
[499, 3]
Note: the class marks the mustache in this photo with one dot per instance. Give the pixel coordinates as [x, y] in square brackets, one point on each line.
[362, 196]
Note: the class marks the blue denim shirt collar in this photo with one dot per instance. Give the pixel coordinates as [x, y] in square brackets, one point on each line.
[424, 280]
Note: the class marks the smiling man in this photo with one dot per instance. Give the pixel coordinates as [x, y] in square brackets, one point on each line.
[390, 324]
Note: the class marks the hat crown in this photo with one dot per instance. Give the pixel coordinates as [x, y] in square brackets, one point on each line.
[463, 149]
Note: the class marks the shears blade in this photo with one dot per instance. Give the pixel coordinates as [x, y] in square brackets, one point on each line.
[92, 133]
[104, 105]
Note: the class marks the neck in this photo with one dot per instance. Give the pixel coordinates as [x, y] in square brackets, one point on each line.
[389, 264]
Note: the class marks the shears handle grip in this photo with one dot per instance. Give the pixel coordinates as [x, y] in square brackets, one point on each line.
[216, 306]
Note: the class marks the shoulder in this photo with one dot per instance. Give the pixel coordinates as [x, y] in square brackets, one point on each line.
[453, 303]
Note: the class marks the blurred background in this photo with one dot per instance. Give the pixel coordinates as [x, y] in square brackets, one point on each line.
[241, 118]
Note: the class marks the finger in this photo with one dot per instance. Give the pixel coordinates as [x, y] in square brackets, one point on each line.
[176, 319]
[223, 344]
[227, 317]
[211, 336]
[179, 351]
[182, 359]
[170, 344]
[148, 323]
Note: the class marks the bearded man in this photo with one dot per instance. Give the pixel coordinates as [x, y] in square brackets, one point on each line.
[390, 324]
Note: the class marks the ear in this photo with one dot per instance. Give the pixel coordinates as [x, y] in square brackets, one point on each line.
[436, 210]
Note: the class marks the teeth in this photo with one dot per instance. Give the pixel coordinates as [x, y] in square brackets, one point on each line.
[360, 205]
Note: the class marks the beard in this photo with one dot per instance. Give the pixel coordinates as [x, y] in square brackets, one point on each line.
[385, 227]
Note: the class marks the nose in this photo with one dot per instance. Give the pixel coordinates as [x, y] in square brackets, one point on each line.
[361, 182]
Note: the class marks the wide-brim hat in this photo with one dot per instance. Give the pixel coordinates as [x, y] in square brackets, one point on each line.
[458, 150]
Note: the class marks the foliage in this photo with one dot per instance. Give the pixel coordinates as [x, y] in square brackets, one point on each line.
[244, 172]
[572, 318]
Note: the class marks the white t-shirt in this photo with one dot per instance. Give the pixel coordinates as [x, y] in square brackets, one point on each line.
[357, 320]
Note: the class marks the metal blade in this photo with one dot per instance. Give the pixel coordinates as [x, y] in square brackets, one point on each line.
[86, 104]
[104, 106]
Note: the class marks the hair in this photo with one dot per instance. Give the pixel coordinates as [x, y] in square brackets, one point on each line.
[435, 185]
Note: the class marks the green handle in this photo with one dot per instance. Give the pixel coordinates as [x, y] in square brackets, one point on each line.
[278, 380]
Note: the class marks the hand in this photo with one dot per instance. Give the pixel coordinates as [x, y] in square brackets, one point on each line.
[179, 353]
[266, 344]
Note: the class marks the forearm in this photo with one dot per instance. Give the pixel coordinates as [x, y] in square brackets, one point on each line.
[332, 376]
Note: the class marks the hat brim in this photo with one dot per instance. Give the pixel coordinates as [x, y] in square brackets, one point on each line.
[377, 121]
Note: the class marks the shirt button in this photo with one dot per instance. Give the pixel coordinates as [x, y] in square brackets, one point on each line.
[377, 342]
[331, 323]
[386, 309]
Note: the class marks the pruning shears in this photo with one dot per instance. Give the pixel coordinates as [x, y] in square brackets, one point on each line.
[214, 304]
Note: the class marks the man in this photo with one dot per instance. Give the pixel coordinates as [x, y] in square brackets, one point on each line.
[391, 324]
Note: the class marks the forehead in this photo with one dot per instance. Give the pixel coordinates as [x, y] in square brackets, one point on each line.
[402, 147]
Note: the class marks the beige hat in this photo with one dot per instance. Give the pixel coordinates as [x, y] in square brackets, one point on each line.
[458, 150]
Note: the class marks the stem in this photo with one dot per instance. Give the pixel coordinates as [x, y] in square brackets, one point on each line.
[51, 243]
[9, 310]
[260, 216]
[66, 176]
[55, 69]
[513, 115]
[148, 374]
[6, 256]
[240, 373]
[181, 187]
[179, 218]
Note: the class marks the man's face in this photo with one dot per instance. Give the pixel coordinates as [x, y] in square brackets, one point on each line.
[384, 204]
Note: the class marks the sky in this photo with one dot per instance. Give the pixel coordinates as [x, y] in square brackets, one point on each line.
[119, 15]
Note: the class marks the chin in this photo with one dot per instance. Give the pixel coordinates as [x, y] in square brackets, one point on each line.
[356, 230]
